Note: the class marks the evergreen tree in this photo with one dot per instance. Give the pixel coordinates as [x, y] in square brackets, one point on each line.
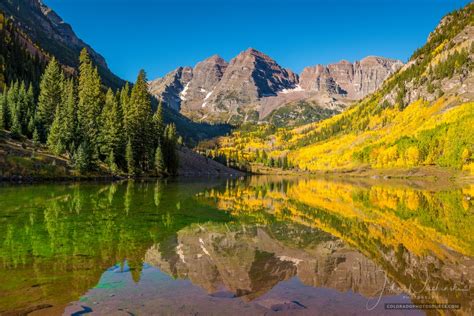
[22, 108]
[55, 139]
[169, 149]
[36, 137]
[62, 131]
[30, 111]
[400, 97]
[31, 126]
[4, 112]
[159, 124]
[90, 102]
[159, 161]
[124, 101]
[139, 121]
[13, 102]
[111, 162]
[69, 123]
[82, 157]
[49, 97]
[129, 158]
[111, 129]
[159, 118]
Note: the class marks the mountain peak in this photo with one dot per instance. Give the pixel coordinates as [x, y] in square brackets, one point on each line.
[219, 91]
[214, 59]
[344, 62]
[252, 50]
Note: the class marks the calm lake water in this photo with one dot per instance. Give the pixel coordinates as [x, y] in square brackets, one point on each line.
[254, 246]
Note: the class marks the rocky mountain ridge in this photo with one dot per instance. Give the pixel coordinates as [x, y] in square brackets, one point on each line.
[56, 37]
[253, 85]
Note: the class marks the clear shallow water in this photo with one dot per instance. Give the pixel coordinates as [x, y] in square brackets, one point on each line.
[256, 246]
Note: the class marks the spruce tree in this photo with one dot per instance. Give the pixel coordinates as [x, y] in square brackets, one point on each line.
[82, 157]
[90, 102]
[129, 158]
[124, 101]
[55, 139]
[169, 149]
[36, 137]
[159, 161]
[139, 121]
[4, 112]
[13, 102]
[69, 124]
[31, 126]
[158, 123]
[63, 129]
[49, 97]
[30, 111]
[111, 130]
[22, 108]
[111, 162]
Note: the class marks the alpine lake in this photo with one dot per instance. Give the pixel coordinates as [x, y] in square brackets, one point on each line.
[257, 245]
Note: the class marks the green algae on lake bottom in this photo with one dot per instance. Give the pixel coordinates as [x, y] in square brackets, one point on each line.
[257, 243]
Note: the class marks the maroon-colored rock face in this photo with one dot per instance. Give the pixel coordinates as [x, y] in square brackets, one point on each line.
[255, 75]
[249, 77]
[252, 85]
[216, 90]
[345, 79]
[206, 75]
[169, 88]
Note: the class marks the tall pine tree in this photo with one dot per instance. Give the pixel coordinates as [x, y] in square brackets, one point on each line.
[55, 139]
[129, 158]
[124, 100]
[62, 132]
[158, 125]
[159, 161]
[4, 112]
[22, 108]
[169, 149]
[139, 121]
[69, 125]
[111, 136]
[49, 97]
[13, 102]
[30, 111]
[90, 102]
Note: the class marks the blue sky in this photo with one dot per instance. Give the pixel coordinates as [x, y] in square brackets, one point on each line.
[160, 35]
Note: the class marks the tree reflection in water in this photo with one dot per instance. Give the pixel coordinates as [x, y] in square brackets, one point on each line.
[243, 236]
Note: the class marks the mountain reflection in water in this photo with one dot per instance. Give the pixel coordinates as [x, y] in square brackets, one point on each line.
[249, 246]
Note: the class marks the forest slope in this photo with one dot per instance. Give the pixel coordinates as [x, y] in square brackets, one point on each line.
[23, 160]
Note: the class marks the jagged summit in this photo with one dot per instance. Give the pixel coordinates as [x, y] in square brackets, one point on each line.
[252, 85]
